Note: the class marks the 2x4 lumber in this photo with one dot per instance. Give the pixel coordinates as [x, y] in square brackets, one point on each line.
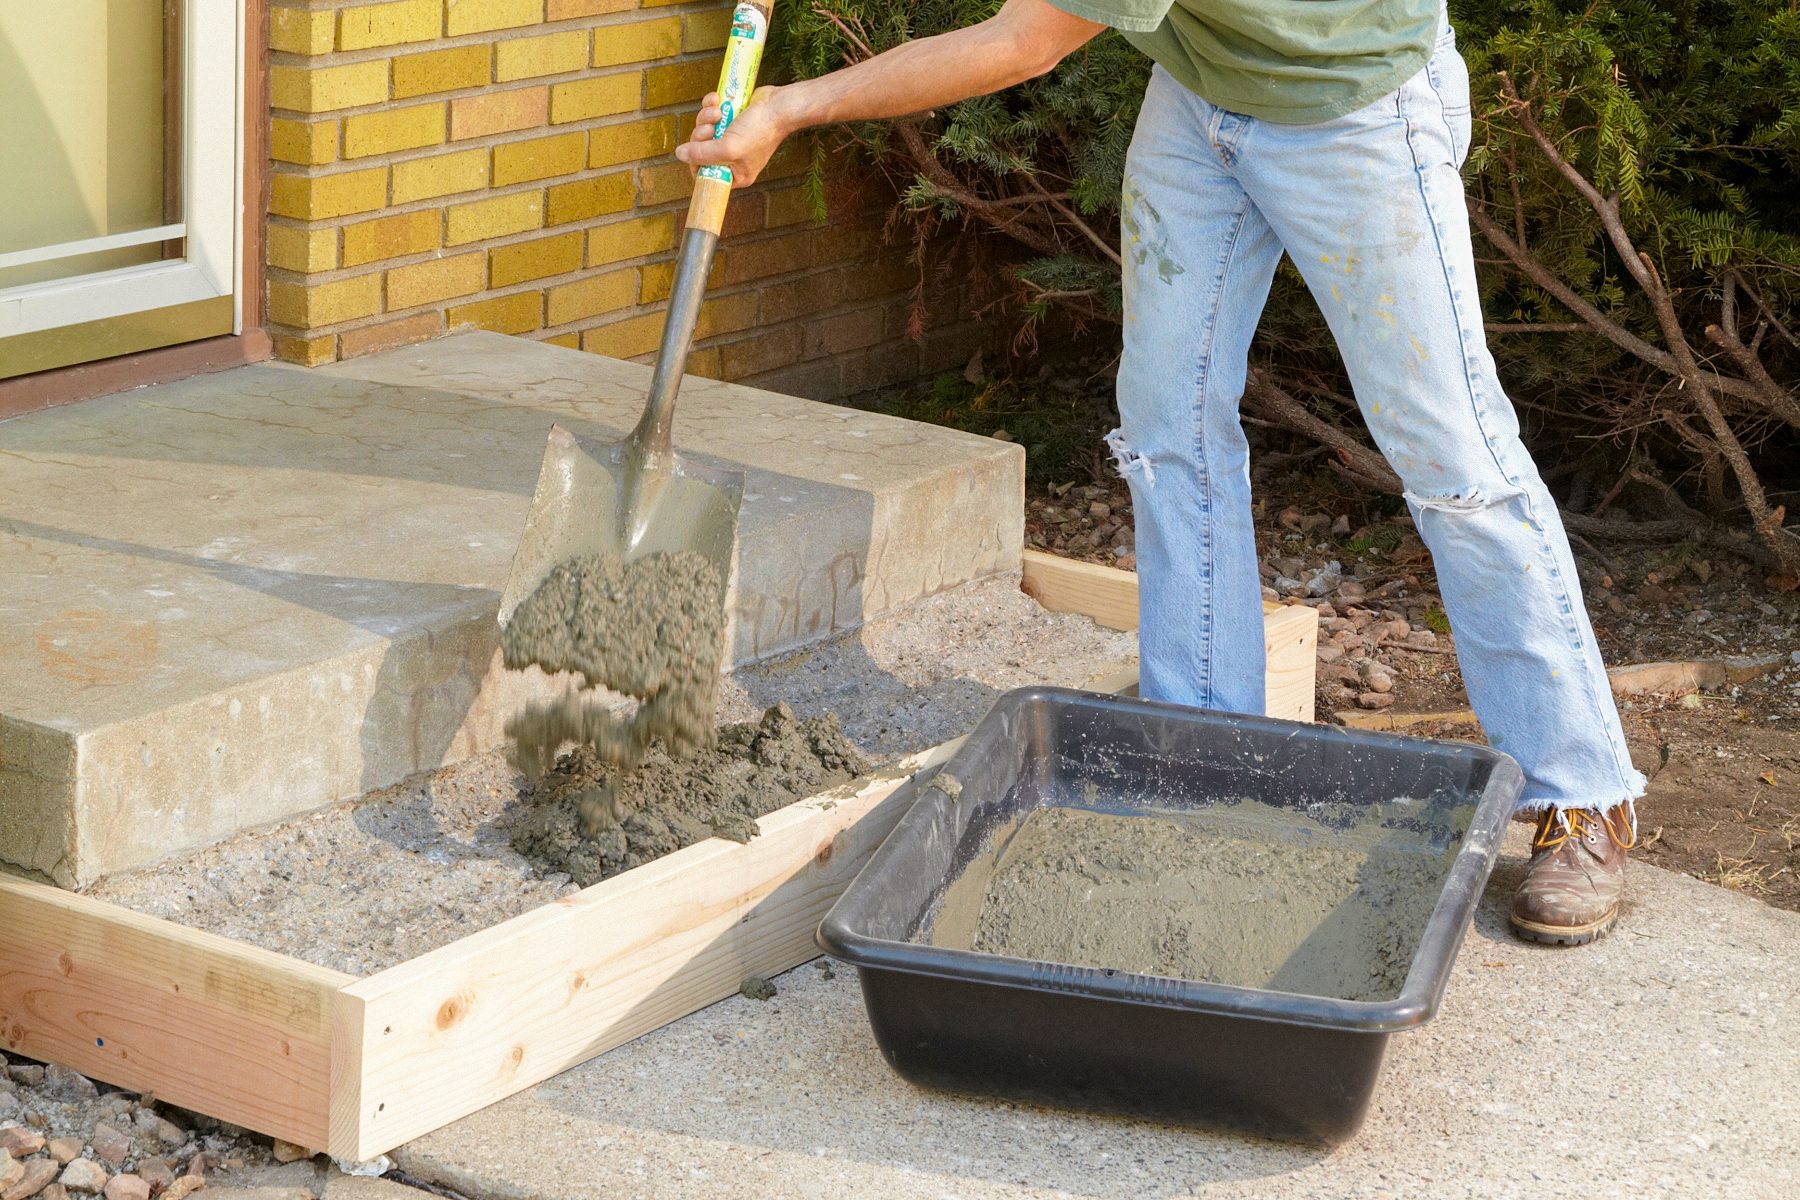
[1068, 585]
[204, 1022]
[1110, 597]
[1291, 650]
[436, 1038]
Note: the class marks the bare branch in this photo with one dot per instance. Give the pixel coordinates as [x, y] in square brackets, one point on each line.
[1779, 400]
[1353, 457]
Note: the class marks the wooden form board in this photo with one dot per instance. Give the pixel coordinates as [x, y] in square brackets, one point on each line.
[1110, 596]
[434, 1039]
[211, 1024]
[356, 1066]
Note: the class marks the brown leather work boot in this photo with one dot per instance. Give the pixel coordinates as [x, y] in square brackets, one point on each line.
[1577, 875]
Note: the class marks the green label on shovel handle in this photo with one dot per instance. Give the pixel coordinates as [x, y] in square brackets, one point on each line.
[743, 54]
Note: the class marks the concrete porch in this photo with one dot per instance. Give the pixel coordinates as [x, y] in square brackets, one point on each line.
[236, 598]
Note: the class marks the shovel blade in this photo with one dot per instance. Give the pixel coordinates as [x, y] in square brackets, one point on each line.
[587, 503]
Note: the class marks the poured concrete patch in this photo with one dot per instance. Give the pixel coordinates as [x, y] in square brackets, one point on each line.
[363, 886]
[236, 598]
[1658, 1062]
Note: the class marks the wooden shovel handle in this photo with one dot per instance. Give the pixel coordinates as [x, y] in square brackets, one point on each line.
[706, 210]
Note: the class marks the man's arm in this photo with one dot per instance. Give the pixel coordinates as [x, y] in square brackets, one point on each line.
[1022, 41]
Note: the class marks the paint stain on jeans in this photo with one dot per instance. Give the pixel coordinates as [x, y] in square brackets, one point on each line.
[1144, 235]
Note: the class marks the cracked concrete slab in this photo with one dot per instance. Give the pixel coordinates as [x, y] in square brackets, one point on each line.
[236, 598]
[1659, 1061]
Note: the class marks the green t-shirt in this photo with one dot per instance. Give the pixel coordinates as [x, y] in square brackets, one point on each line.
[1293, 61]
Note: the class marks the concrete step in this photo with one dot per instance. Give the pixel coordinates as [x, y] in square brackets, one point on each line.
[233, 599]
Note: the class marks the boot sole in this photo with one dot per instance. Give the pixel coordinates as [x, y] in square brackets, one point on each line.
[1564, 935]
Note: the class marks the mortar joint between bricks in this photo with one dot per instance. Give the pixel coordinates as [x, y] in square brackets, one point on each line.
[460, 41]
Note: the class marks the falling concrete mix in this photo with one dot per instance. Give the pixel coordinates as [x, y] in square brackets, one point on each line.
[592, 819]
[652, 629]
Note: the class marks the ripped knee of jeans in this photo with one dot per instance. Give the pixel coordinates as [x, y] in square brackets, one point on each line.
[1130, 462]
[1468, 500]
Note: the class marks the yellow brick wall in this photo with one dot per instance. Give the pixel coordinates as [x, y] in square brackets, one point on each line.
[506, 165]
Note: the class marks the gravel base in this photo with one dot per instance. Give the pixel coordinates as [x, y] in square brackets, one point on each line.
[363, 886]
[63, 1135]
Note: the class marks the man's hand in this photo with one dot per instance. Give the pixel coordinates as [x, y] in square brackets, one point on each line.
[1022, 41]
[755, 134]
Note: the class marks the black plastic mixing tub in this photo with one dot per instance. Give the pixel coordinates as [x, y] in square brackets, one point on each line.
[1291, 1066]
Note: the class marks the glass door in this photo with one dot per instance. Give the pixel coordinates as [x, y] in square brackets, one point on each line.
[119, 177]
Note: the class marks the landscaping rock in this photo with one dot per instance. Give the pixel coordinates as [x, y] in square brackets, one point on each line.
[19, 1141]
[1374, 700]
[39, 1174]
[30, 1076]
[67, 1084]
[185, 1186]
[155, 1172]
[169, 1133]
[287, 1152]
[1324, 581]
[64, 1149]
[110, 1144]
[84, 1175]
[127, 1187]
[11, 1171]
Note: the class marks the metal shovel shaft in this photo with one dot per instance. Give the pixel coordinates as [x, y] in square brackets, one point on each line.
[637, 496]
[652, 434]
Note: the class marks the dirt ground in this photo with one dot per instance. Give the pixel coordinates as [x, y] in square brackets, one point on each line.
[1723, 803]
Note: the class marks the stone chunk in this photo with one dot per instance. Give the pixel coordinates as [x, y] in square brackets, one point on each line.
[155, 1172]
[38, 1175]
[65, 1150]
[110, 1144]
[19, 1141]
[72, 1085]
[127, 1187]
[84, 1175]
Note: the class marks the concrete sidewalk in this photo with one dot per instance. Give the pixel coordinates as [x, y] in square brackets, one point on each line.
[1662, 1061]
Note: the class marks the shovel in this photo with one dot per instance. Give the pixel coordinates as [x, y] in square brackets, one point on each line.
[638, 497]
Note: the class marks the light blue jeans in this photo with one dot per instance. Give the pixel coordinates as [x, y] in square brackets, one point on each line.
[1370, 208]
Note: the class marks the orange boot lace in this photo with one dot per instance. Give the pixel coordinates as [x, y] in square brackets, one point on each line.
[1557, 826]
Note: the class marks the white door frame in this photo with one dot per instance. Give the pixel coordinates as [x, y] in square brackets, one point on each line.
[212, 201]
